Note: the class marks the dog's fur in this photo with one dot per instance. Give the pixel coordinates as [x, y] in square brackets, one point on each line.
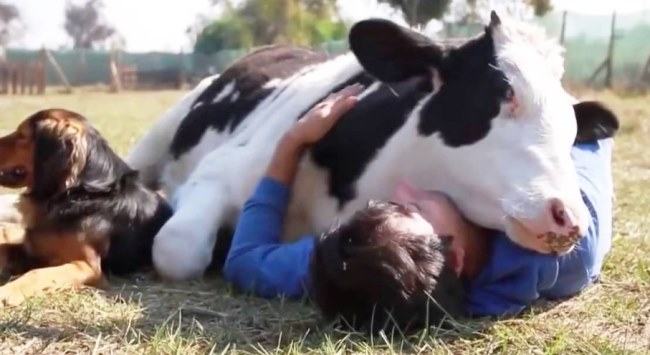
[84, 212]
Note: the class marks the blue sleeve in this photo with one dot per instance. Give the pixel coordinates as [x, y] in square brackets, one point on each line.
[515, 277]
[258, 261]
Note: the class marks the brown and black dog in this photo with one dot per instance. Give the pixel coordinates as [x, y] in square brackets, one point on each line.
[83, 213]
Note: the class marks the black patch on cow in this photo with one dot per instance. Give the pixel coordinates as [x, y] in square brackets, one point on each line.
[471, 96]
[461, 112]
[249, 76]
[347, 149]
[362, 78]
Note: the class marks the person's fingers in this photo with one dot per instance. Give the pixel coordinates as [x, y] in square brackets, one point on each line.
[336, 104]
[341, 107]
[350, 90]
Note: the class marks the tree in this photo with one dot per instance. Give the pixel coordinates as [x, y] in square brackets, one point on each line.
[9, 15]
[258, 22]
[476, 11]
[84, 24]
[419, 12]
[229, 32]
[541, 7]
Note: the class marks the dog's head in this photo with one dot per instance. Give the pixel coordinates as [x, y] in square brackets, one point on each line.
[55, 150]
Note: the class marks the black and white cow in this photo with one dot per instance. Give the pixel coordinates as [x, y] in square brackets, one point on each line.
[487, 122]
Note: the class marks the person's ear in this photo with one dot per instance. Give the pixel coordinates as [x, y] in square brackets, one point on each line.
[455, 254]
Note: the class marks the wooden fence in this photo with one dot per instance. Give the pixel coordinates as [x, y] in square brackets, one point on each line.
[23, 77]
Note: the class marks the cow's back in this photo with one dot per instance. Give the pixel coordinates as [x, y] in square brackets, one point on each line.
[211, 114]
[230, 97]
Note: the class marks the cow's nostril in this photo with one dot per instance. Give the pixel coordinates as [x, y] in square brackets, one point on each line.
[558, 213]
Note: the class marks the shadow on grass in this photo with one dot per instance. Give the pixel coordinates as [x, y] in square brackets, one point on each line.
[211, 315]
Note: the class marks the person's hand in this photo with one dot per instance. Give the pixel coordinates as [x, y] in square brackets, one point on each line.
[311, 127]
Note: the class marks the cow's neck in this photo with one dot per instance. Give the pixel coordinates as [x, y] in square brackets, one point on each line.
[407, 155]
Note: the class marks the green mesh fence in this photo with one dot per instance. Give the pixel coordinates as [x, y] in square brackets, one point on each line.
[583, 54]
[89, 67]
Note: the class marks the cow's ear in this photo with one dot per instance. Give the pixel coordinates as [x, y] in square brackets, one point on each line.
[595, 121]
[391, 52]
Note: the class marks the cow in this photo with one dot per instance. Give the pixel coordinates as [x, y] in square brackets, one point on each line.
[486, 121]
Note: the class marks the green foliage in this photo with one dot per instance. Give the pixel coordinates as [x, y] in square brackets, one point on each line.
[259, 22]
[631, 50]
[9, 15]
[419, 12]
[541, 7]
[226, 33]
[84, 24]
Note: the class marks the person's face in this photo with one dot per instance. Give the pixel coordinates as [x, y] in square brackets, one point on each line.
[410, 222]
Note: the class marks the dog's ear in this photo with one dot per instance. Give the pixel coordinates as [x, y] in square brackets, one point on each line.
[103, 168]
[51, 162]
[59, 152]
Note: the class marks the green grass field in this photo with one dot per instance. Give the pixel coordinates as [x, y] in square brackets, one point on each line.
[143, 315]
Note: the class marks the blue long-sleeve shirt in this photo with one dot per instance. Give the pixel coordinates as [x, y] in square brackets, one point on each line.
[511, 280]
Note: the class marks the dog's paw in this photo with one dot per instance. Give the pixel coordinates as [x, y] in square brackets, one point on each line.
[11, 234]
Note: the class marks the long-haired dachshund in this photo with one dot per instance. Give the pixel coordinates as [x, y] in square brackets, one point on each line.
[83, 212]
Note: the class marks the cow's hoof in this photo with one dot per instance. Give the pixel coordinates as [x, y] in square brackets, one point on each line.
[177, 256]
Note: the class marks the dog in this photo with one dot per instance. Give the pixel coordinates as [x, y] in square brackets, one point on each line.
[83, 212]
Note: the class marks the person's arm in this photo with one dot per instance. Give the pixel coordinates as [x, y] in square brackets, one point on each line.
[307, 131]
[514, 277]
[257, 261]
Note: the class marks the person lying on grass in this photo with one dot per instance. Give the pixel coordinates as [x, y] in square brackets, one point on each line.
[410, 261]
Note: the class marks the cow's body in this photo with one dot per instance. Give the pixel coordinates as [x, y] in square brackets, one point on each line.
[209, 151]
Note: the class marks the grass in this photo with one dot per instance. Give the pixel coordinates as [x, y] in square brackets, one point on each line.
[143, 315]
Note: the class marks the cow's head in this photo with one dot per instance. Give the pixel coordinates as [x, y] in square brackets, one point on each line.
[502, 124]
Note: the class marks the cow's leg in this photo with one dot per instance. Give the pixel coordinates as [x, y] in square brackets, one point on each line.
[209, 199]
[182, 249]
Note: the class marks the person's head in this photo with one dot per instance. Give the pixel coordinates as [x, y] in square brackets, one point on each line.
[385, 267]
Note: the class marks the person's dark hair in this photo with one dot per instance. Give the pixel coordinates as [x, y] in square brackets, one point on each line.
[375, 277]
